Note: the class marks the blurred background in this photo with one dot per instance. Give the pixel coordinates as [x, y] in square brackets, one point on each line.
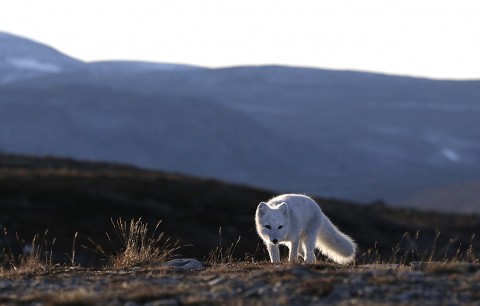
[372, 102]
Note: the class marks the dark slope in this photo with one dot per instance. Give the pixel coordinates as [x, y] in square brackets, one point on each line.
[66, 196]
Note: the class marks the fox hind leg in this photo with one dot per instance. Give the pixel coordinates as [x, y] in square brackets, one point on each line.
[310, 242]
[309, 250]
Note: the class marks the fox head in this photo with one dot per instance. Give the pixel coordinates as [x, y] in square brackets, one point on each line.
[272, 222]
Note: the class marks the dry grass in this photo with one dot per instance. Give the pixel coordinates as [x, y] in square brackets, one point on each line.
[408, 250]
[35, 257]
[220, 255]
[138, 245]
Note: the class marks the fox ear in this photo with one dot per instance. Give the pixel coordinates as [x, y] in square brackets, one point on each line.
[283, 208]
[262, 209]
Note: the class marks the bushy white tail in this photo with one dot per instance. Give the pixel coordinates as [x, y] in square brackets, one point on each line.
[335, 244]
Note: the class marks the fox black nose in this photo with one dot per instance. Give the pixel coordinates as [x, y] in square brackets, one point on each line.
[274, 241]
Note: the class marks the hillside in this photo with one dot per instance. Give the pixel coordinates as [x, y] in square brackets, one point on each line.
[22, 59]
[65, 196]
[342, 134]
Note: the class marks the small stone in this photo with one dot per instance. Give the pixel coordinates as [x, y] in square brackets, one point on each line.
[164, 302]
[185, 264]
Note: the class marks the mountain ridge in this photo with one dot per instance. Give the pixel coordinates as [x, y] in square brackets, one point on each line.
[352, 135]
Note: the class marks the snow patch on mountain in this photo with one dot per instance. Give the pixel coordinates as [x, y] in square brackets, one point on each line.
[137, 66]
[34, 64]
[451, 155]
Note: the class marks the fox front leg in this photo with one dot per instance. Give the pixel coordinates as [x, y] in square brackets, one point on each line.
[274, 253]
[293, 251]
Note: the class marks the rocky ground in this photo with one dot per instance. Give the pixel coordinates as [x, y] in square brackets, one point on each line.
[248, 284]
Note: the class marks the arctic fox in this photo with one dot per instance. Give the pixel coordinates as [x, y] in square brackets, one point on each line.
[298, 222]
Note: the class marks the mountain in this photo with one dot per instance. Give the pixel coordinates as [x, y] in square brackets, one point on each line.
[110, 67]
[343, 134]
[463, 197]
[22, 58]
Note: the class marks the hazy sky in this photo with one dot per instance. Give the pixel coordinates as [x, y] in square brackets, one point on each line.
[433, 38]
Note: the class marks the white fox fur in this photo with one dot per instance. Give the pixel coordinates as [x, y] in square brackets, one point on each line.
[298, 222]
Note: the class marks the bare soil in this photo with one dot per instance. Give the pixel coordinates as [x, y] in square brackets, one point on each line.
[249, 284]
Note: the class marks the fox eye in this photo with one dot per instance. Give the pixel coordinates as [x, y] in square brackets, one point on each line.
[268, 226]
[280, 227]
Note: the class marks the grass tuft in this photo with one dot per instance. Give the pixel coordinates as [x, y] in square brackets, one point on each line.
[138, 246]
[221, 256]
[33, 257]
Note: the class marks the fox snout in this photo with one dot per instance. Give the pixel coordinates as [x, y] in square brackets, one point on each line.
[274, 241]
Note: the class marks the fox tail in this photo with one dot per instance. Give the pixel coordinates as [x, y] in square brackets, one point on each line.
[335, 244]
